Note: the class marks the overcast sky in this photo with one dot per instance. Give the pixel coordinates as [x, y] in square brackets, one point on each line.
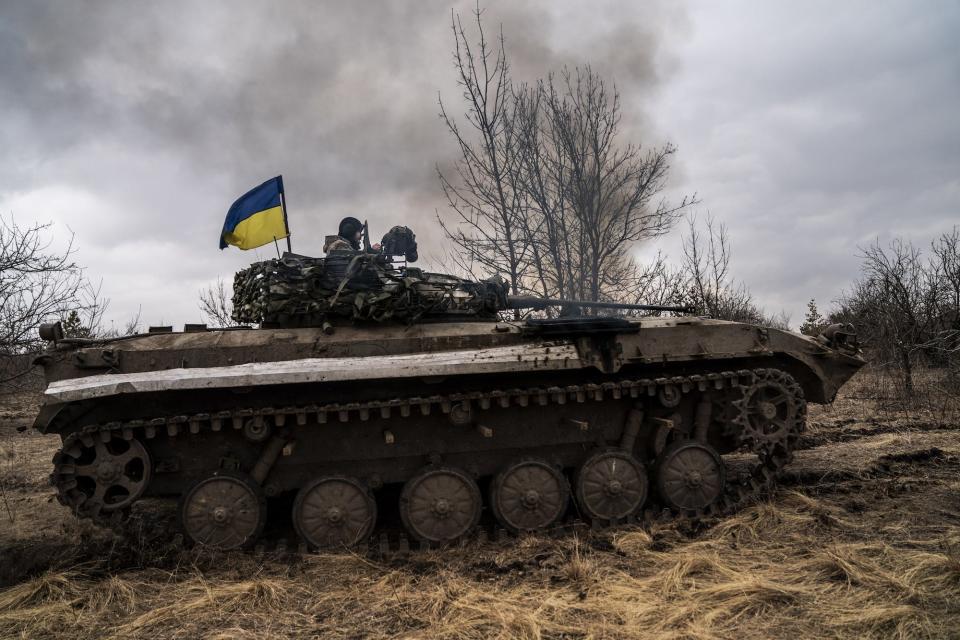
[808, 128]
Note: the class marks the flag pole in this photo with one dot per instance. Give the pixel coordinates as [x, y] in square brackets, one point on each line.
[283, 205]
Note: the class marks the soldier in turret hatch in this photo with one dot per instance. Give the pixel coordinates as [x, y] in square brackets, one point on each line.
[348, 237]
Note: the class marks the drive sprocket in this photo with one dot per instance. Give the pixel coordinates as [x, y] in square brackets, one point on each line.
[771, 412]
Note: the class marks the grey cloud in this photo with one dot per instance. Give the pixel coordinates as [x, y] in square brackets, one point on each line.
[809, 129]
[815, 129]
[136, 124]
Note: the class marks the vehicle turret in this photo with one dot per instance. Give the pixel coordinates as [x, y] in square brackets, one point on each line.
[300, 291]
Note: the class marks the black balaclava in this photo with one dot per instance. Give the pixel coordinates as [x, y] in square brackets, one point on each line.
[348, 230]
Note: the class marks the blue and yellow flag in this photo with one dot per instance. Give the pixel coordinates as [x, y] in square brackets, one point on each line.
[257, 217]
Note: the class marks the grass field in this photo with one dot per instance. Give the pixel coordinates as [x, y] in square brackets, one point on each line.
[862, 539]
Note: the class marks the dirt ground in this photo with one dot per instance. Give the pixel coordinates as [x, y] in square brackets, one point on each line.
[862, 539]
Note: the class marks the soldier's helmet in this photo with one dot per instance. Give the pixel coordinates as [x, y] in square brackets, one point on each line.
[349, 227]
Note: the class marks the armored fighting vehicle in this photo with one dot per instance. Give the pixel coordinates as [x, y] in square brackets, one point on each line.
[370, 387]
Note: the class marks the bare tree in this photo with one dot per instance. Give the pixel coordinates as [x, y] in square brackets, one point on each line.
[545, 174]
[488, 208]
[906, 309]
[946, 273]
[128, 327]
[597, 197]
[657, 282]
[543, 191]
[86, 318]
[708, 285]
[216, 306]
[893, 304]
[37, 283]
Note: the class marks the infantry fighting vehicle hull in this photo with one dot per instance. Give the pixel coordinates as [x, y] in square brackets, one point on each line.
[536, 421]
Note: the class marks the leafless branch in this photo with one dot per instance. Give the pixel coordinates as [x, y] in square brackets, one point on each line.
[216, 305]
[37, 283]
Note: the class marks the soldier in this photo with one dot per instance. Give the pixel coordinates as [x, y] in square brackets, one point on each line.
[348, 237]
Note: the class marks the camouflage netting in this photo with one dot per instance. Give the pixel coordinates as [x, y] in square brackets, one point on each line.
[302, 291]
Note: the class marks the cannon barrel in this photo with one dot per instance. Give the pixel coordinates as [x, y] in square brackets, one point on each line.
[531, 302]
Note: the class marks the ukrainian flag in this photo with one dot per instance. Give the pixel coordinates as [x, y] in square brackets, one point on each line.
[257, 217]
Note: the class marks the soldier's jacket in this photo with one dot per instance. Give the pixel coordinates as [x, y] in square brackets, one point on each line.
[336, 243]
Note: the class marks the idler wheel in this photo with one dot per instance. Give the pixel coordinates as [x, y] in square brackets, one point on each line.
[529, 495]
[101, 477]
[440, 505]
[334, 512]
[225, 511]
[690, 476]
[611, 485]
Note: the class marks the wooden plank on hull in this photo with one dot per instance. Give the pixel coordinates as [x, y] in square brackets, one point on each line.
[527, 357]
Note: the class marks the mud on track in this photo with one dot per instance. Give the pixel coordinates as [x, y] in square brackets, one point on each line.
[861, 540]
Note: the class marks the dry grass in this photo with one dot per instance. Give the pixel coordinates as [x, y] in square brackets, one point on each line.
[875, 394]
[796, 567]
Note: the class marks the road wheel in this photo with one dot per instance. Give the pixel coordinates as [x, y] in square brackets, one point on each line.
[690, 476]
[225, 511]
[611, 485]
[529, 495]
[440, 505]
[334, 512]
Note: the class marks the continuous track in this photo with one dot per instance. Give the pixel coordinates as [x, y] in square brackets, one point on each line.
[748, 397]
